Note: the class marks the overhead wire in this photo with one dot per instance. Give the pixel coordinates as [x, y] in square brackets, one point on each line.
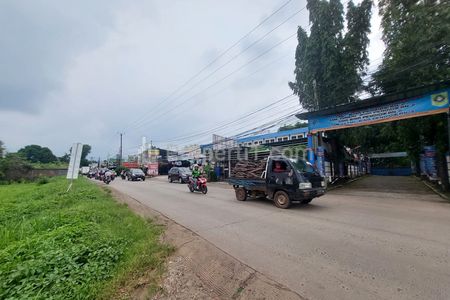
[221, 55]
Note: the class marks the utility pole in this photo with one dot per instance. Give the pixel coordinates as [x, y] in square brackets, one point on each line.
[120, 150]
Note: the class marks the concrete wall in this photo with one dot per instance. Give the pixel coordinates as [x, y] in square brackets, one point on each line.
[47, 172]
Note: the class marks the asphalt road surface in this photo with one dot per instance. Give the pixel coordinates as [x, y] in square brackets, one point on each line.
[377, 238]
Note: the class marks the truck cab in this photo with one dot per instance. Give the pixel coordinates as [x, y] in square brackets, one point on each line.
[295, 179]
[284, 180]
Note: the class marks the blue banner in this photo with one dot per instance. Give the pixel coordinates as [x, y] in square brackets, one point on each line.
[321, 160]
[430, 162]
[431, 103]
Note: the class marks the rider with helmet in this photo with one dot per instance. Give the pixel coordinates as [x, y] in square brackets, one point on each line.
[195, 174]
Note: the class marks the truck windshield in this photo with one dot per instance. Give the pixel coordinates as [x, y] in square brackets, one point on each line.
[303, 166]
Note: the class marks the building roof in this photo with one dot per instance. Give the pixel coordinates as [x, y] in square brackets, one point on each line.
[273, 135]
[375, 101]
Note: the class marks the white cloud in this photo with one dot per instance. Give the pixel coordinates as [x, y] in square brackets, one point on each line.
[109, 63]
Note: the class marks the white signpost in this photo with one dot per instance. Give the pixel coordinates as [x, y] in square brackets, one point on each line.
[74, 164]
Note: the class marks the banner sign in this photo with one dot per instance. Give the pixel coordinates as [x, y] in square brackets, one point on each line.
[321, 160]
[152, 169]
[431, 103]
[430, 162]
[75, 158]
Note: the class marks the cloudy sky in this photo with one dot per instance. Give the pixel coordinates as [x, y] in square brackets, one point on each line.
[83, 71]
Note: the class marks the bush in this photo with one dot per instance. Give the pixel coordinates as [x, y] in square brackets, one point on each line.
[14, 168]
[42, 180]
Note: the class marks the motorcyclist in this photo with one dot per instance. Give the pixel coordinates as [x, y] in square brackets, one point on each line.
[195, 175]
[108, 175]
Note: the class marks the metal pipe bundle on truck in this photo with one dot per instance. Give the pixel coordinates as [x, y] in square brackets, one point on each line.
[278, 178]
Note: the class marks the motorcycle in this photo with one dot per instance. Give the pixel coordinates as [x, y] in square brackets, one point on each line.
[200, 187]
[107, 179]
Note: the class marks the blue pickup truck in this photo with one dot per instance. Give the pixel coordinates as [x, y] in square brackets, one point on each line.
[284, 180]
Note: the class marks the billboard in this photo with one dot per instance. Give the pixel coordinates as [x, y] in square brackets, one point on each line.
[153, 152]
[428, 104]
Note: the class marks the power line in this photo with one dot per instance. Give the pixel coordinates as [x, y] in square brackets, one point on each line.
[238, 119]
[219, 56]
[222, 79]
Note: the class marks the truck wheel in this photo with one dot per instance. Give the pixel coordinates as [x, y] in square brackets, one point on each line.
[241, 194]
[282, 200]
[306, 201]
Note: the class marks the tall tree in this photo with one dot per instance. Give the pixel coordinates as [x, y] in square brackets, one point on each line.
[330, 62]
[417, 38]
[2, 149]
[84, 153]
[36, 153]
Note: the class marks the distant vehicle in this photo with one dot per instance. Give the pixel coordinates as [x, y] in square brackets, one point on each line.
[283, 180]
[84, 170]
[135, 174]
[179, 174]
[92, 173]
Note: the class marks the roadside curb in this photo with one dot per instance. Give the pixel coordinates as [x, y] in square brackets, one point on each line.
[345, 183]
[431, 187]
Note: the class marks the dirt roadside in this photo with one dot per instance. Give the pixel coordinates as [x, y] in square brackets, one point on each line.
[198, 269]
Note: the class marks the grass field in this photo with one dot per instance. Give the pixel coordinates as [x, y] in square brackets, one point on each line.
[76, 245]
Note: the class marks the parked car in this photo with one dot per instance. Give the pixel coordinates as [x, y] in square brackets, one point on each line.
[135, 174]
[179, 174]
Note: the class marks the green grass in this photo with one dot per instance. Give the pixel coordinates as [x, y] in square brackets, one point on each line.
[55, 165]
[76, 245]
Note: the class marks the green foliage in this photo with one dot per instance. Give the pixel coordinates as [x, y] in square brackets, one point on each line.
[42, 180]
[65, 158]
[84, 153]
[76, 245]
[330, 61]
[14, 168]
[37, 154]
[2, 149]
[119, 169]
[417, 38]
[53, 165]
[293, 126]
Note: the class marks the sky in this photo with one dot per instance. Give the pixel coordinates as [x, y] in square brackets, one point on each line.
[85, 71]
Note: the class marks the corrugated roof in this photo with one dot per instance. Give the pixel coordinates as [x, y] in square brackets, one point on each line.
[273, 135]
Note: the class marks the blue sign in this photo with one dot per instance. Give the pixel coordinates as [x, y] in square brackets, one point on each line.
[430, 162]
[321, 160]
[431, 103]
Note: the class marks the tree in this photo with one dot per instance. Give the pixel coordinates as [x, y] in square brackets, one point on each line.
[417, 38]
[14, 168]
[84, 153]
[293, 126]
[65, 158]
[2, 149]
[37, 154]
[329, 63]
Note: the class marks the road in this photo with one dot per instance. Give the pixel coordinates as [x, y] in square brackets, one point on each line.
[377, 238]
